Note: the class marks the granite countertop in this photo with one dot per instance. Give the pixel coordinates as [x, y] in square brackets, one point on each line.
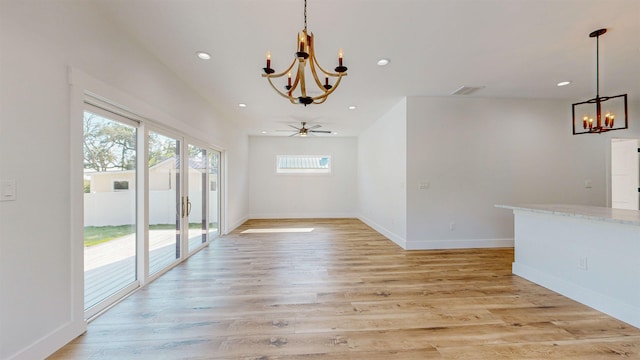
[621, 216]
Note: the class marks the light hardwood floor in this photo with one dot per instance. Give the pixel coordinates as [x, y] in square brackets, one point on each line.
[343, 291]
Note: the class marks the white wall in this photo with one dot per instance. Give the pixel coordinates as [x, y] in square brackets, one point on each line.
[39, 42]
[295, 195]
[236, 183]
[382, 173]
[479, 152]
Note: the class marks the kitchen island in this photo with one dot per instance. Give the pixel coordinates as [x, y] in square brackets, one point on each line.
[589, 254]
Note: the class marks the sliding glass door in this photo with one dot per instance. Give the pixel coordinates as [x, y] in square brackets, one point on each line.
[151, 198]
[203, 196]
[166, 206]
[110, 221]
[214, 194]
[196, 216]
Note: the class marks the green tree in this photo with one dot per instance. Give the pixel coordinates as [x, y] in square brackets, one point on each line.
[108, 145]
[161, 148]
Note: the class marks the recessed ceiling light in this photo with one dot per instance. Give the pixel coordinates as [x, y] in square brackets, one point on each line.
[335, 133]
[203, 55]
[242, 105]
[352, 107]
[564, 83]
[383, 62]
[263, 132]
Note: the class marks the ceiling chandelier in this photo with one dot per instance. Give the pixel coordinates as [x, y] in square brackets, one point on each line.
[296, 87]
[596, 121]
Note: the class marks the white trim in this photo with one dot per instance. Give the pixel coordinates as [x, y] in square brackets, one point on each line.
[50, 342]
[224, 226]
[113, 113]
[92, 312]
[459, 244]
[123, 103]
[235, 225]
[105, 105]
[298, 215]
[142, 210]
[218, 179]
[601, 302]
[399, 240]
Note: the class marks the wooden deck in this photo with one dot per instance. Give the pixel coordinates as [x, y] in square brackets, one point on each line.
[111, 266]
[343, 291]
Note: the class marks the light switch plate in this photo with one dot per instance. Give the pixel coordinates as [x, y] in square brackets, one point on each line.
[8, 190]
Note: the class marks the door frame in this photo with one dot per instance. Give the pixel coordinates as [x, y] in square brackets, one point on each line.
[83, 86]
[94, 105]
[636, 145]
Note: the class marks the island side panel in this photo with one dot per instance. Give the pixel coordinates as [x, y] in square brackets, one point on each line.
[594, 262]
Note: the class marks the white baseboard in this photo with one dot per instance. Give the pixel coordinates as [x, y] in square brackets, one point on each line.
[399, 240]
[51, 342]
[601, 302]
[458, 244]
[233, 226]
[297, 215]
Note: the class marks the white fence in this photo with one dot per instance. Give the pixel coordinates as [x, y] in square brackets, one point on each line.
[118, 208]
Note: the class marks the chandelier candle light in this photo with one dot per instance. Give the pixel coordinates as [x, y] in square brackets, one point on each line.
[296, 88]
[601, 123]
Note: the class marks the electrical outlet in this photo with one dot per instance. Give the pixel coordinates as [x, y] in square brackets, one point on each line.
[8, 190]
[582, 263]
[423, 185]
[452, 226]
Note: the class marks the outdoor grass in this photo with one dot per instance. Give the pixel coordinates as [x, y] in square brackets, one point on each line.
[94, 235]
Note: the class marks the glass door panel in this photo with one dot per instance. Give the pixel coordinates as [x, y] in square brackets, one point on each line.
[110, 155]
[214, 197]
[165, 201]
[196, 199]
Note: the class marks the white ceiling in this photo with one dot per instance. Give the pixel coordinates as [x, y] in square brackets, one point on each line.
[514, 48]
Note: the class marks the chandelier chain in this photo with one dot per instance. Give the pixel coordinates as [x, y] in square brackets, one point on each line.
[305, 15]
[597, 66]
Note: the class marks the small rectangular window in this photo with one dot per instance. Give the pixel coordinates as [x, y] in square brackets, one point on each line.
[120, 185]
[303, 164]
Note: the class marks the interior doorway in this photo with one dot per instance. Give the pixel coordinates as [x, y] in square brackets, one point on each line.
[625, 174]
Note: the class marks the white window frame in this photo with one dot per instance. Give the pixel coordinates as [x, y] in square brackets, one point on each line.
[113, 185]
[304, 171]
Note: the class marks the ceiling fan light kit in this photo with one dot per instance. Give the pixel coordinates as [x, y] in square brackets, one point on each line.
[589, 117]
[305, 131]
[296, 88]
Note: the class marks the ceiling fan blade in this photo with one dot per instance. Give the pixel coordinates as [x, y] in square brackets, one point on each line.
[321, 131]
[314, 127]
[294, 134]
[288, 130]
[293, 127]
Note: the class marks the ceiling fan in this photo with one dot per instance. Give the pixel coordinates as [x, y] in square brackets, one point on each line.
[305, 131]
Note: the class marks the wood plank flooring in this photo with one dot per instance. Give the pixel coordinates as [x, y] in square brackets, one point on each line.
[343, 291]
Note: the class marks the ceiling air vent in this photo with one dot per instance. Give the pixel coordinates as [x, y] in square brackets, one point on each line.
[466, 90]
